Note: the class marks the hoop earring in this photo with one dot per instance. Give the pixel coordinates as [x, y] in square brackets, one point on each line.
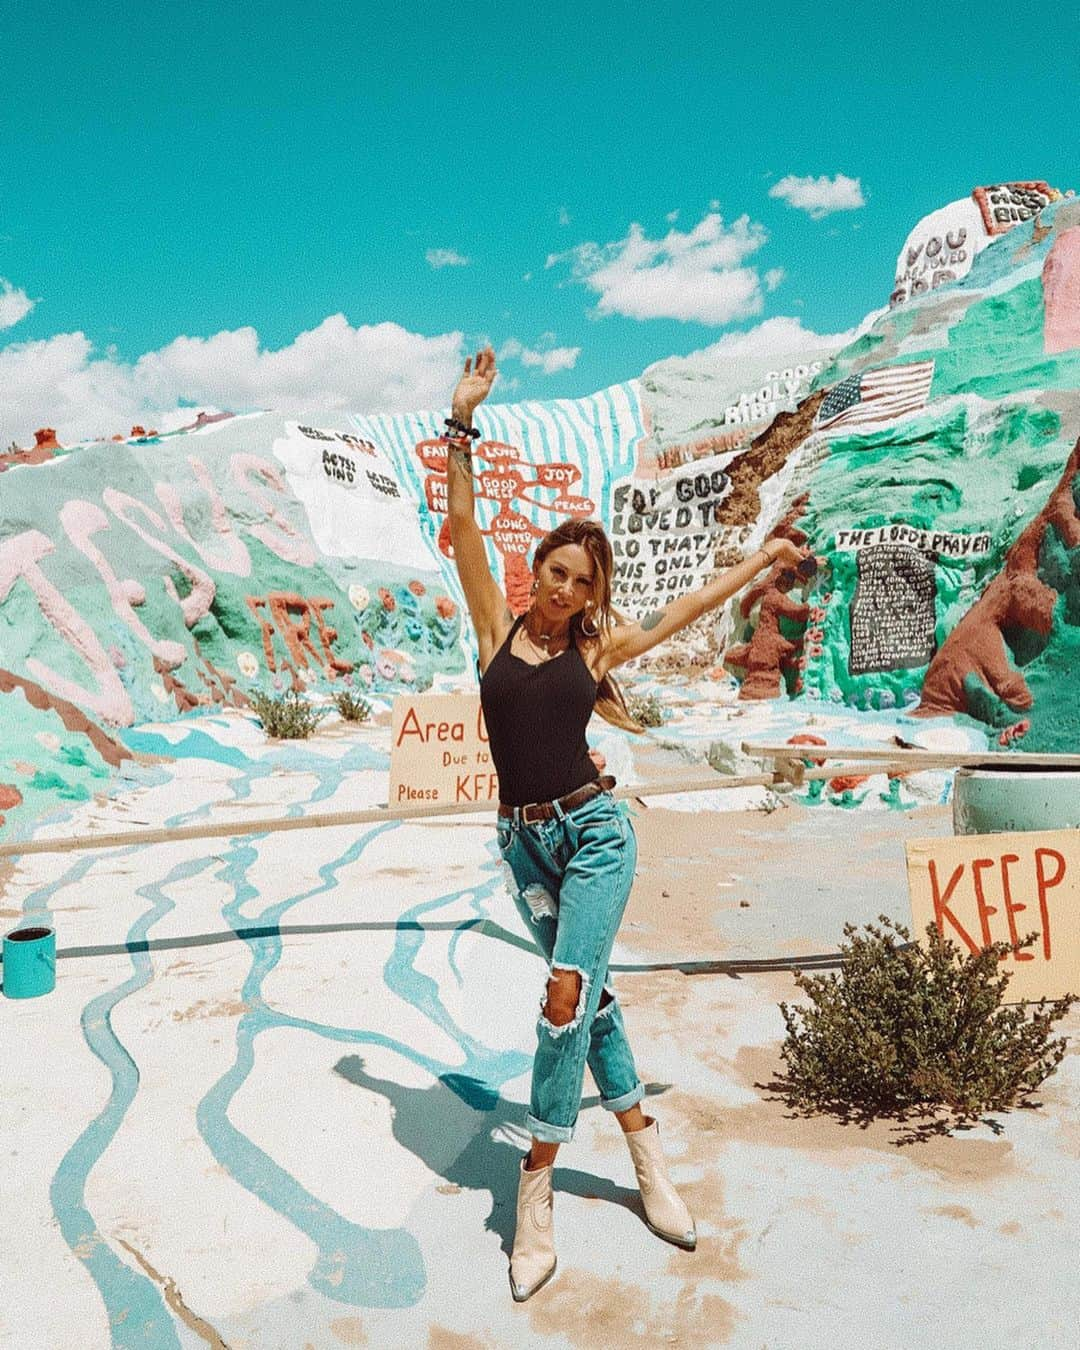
[589, 632]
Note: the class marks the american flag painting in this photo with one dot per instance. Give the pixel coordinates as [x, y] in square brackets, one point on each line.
[876, 396]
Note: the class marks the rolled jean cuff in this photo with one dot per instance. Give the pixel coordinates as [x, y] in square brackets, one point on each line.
[548, 1134]
[626, 1101]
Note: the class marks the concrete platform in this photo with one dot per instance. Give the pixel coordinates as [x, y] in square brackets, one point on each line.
[275, 1100]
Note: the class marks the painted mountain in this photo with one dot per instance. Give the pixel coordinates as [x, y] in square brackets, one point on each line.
[930, 464]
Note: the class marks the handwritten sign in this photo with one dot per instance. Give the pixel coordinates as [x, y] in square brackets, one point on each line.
[984, 888]
[892, 610]
[663, 535]
[1004, 205]
[927, 541]
[781, 392]
[349, 488]
[439, 752]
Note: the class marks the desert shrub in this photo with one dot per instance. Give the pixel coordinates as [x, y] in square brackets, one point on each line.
[722, 758]
[915, 1030]
[351, 706]
[287, 716]
[646, 710]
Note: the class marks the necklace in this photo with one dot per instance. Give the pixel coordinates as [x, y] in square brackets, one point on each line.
[540, 641]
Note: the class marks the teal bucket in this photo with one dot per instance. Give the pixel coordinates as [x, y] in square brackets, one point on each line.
[29, 962]
[993, 801]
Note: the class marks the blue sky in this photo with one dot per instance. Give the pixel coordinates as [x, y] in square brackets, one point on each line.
[186, 170]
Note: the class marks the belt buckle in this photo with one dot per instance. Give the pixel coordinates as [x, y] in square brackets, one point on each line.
[528, 818]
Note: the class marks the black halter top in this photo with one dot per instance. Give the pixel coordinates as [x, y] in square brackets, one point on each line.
[536, 717]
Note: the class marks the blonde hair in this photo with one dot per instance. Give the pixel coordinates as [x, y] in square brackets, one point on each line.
[589, 535]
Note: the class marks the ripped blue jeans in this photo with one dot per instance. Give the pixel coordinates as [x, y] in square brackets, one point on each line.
[571, 879]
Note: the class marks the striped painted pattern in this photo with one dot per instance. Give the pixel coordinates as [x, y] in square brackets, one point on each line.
[598, 435]
[876, 396]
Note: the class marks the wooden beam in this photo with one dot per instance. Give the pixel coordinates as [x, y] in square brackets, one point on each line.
[233, 829]
[916, 759]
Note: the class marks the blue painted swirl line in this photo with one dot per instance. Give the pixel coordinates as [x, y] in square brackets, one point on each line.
[479, 895]
[492, 1067]
[138, 1316]
[196, 744]
[35, 911]
[373, 1268]
[133, 1303]
[355, 1265]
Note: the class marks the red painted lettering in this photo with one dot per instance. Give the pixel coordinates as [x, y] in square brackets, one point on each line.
[978, 867]
[556, 475]
[475, 787]
[941, 904]
[1011, 907]
[1044, 885]
[410, 726]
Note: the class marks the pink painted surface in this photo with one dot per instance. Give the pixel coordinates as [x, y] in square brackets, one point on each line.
[232, 556]
[196, 604]
[276, 533]
[19, 557]
[81, 521]
[1061, 293]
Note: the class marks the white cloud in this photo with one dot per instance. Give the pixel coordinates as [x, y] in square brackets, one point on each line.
[780, 336]
[564, 216]
[446, 257]
[672, 217]
[543, 356]
[694, 276]
[773, 277]
[819, 196]
[14, 304]
[554, 359]
[61, 381]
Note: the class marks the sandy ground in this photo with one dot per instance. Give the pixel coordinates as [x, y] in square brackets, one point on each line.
[275, 1100]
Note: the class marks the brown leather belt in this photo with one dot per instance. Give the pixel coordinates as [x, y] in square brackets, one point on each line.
[535, 811]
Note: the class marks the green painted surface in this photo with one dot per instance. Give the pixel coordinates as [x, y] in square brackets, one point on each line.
[983, 456]
[992, 802]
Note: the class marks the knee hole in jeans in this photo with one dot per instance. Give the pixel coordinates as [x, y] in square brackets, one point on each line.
[567, 991]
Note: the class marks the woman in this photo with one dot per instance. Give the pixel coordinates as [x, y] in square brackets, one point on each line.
[570, 849]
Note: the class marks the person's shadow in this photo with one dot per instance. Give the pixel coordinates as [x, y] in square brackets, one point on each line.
[431, 1122]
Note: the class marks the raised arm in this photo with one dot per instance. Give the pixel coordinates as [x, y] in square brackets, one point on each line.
[634, 639]
[487, 604]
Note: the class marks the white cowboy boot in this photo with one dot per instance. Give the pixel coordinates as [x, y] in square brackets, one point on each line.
[532, 1262]
[665, 1212]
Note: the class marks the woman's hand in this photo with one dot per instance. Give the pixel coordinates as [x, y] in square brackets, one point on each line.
[474, 385]
[780, 550]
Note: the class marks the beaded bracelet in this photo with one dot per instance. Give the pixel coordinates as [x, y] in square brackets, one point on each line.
[462, 447]
[463, 432]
